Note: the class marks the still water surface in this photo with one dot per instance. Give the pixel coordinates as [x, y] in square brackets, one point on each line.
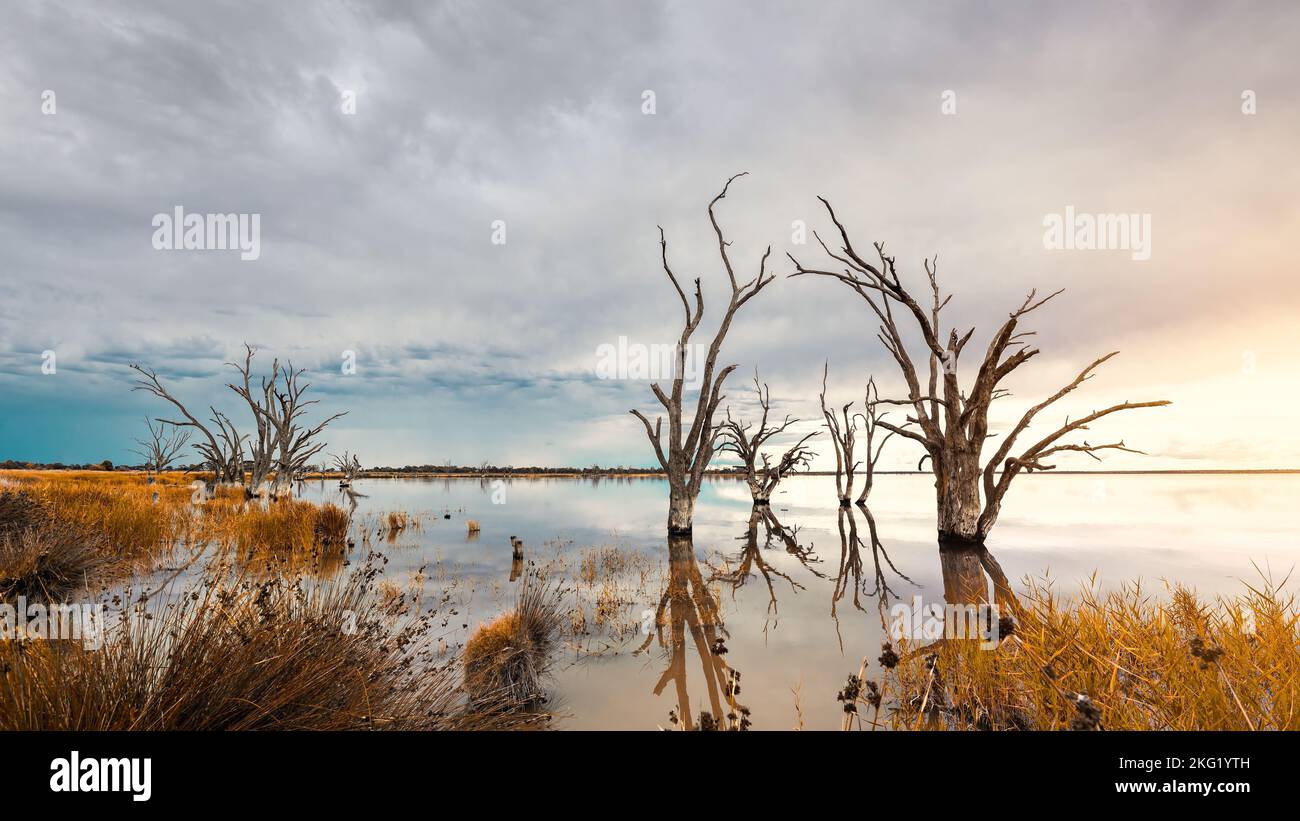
[804, 631]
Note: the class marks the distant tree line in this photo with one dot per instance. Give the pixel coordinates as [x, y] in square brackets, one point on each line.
[470, 470]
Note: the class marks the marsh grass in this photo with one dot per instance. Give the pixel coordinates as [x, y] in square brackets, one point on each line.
[511, 655]
[1123, 660]
[49, 563]
[117, 508]
[600, 616]
[237, 653]
[43, 559]
[118, 515]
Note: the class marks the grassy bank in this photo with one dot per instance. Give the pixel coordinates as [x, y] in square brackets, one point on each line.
[1131, 659]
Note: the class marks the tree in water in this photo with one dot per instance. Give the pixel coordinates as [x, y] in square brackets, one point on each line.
[951, 422]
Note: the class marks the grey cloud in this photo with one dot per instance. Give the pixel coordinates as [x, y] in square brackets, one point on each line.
[376, 227]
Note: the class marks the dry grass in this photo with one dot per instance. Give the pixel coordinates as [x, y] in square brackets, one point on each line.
[331, 526]
[511, 655]
[119, 510]
[116, 506]
[48, 563]
[606, 581]
[237, 654]
[42, 558]
[1125, 660]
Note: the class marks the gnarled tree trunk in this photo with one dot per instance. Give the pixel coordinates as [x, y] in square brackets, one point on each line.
[957, 486]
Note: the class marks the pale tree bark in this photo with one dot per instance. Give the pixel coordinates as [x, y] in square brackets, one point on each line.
[871, 419]
[844, 430]
[690, 449]
[230, 452]
[262, 445]
[949, 422]
[735, 437]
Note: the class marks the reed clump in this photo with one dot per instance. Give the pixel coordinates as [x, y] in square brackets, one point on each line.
[331, 526]
[42, 558]
[1122, 660]
[509, 658]
[233, 653]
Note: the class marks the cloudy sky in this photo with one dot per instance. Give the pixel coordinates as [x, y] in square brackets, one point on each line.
[938, 128]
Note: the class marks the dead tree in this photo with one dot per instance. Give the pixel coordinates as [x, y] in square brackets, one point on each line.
[949, 422]
[349, 467]
[690, 450]
[223, 448]
[162, 447]
[284, 444]
[843, 430]
[735, 438]
[229, 451]
[260, 402]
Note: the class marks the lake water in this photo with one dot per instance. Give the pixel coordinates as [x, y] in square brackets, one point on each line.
[1210, 532]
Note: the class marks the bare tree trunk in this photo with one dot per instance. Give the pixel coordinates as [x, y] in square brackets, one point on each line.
[843, 436]
[958, 496]
[871, 423]
[681, 509]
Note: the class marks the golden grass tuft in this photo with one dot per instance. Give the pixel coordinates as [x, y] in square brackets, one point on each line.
[42, 558]
[509, 657]
[331, 526]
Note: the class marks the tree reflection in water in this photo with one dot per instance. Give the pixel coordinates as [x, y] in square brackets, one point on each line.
[850, 576]
[688, 608]
[964, 582]
[689, 624]
[736, 570]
